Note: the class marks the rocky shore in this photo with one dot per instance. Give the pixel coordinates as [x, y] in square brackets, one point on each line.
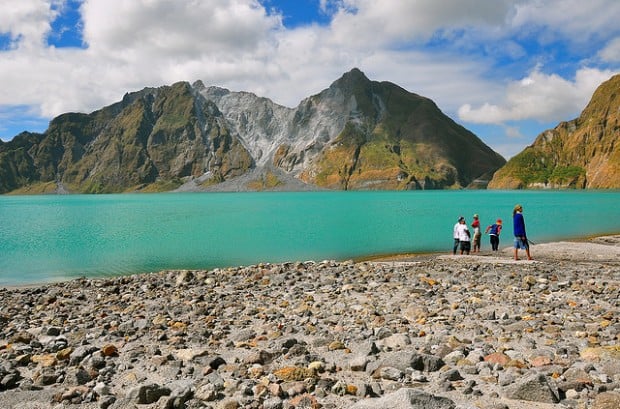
[432, 331]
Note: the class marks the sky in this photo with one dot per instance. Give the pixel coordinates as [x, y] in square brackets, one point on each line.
[507, 70]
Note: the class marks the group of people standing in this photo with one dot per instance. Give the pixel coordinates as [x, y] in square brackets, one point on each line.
[463, 240]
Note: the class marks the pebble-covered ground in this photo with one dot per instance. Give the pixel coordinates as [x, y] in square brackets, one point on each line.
[419, 332]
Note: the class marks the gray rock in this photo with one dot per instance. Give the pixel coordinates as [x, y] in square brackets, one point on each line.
[181, 393]
[339, 388]
[394, 342]
[80, 353]
[215, 362]
[106, 401]
[533, 388]
[400, 360]
[244, 335]
[10, 380]
[406, 398]
[388, 372]
[207, 392]
[358, 363]
[451, 375]
[607, 400]
[426, 362]
[453, 357]
[273, 403]
[77, 376]
[101, 389]
[144, 394]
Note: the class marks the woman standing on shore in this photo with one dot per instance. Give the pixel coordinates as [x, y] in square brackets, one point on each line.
[519, 232]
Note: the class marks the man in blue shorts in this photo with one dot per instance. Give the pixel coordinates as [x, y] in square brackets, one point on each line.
[519, 232]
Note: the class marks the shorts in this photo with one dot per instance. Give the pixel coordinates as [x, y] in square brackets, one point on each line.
[465, 245]
[521, 244]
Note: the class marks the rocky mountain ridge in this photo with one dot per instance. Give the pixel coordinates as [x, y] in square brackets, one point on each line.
[356, 134]
[581, 153]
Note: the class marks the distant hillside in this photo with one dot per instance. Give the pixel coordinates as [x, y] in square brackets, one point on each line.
[357, 134]
[582, 153]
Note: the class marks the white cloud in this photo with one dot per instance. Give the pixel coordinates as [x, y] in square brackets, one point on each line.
[460, 53]
[27, 21]
[539, 96]
[175, 29]
[611, 52]
[575, 19]
[131, 45]
[369, 22]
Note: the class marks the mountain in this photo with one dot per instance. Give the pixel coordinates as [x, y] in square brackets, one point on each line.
[151, 138]
[583, 153]
[357, 134]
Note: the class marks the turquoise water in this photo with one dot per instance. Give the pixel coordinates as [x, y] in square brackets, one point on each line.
[49, 238]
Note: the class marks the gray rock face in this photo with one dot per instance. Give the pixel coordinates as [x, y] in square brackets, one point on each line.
[265, 126]
[261, 124]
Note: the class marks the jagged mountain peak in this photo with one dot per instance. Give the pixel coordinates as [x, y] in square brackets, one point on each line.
[355, 134]
[352, 79]
[382, 137]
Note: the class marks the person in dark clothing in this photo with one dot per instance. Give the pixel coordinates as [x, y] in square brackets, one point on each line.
[494, 231]
[519, 232]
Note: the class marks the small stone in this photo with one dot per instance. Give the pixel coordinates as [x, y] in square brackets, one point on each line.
[23, 360]
[606, 400]
[145, 394]
[539, 361]
[290, 374]
[45, 360]
[406, 398]
[497, 358]
[273, 403]
[22, 337]
[305, 401]
[64, 354]
[452, 375]
[534, 388]
[101, 389]
[358, 363]
[336, 345]
[388, 372]
[317, 366]
[109, 350]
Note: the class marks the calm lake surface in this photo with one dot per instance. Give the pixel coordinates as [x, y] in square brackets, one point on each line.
[51, 238]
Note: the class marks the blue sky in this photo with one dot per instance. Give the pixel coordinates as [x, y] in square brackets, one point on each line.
[506, 70]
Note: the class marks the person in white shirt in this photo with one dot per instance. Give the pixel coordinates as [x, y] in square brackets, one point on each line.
[455, 235]
[464, 236]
